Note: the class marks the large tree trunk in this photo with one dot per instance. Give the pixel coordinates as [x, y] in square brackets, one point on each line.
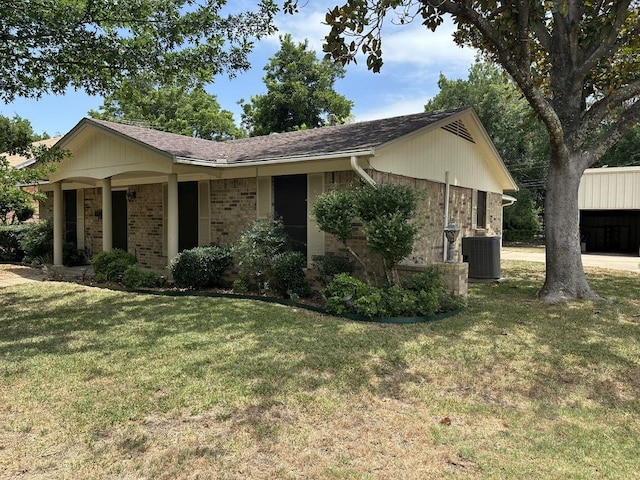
[565, 278]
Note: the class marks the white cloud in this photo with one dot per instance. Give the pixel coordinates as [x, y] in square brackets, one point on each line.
[416, 45]
[307, 24]
[411, 43]
[391, 107]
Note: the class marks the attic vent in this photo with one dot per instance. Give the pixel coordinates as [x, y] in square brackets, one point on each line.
[458, 128]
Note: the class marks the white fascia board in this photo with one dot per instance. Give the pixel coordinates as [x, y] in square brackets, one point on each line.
[276, 160]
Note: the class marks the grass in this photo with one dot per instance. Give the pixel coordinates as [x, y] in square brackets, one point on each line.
[104, 384]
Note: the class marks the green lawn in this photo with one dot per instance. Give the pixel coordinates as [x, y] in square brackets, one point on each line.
[104, 384]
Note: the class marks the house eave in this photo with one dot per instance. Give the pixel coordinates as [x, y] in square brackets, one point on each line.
[275, 160]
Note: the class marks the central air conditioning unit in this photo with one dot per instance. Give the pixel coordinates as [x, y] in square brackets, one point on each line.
[483, 256]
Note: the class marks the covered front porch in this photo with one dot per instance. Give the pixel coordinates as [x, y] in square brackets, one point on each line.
[107, 214]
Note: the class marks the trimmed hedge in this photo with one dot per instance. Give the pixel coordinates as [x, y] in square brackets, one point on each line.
[201, 266]
[111, 266]
[287, 275]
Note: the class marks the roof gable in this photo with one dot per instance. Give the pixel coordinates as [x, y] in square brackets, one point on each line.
[371, 139]
[325, 140]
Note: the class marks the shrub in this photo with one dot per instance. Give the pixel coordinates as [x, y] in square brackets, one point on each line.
[423, 296]
[428, 302]
[71, 256]
[288, 277]
[111, 266]
[432, 296]
[328, 266]
[257, 245]
[371, 305]
[25, 211]
[429, 280]
[37, 242]
[10, 242]
[135, 277]
[240, 285]
[401, 302]
[201, 266]
[343, 291]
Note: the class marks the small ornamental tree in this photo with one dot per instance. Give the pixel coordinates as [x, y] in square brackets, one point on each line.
[335, 213]
[393, 238]
[384, 210]
[16, 137]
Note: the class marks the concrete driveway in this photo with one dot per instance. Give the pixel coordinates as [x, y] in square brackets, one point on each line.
[614, 262]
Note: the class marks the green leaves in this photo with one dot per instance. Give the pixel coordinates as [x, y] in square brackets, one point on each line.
[16, 136]
[300, 92]
[386, 212]
[51, 45]
[335, 213]
[176, 109]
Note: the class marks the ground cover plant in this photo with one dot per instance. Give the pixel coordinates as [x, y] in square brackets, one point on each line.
[110, 384]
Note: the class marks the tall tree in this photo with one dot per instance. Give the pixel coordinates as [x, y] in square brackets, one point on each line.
[300, 92]
[47, 46]
[520, 138]
[176, 109]
[578, 65]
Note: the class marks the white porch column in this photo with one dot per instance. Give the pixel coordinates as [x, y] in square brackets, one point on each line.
[58, 223]
[172, 217]
[107, 216]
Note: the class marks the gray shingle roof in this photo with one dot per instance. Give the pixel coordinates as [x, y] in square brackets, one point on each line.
[319, 141]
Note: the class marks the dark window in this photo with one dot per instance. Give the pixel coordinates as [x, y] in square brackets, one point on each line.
[187, 215]
[290, 204]
[70, 216]
[481, 220]
[119, 220]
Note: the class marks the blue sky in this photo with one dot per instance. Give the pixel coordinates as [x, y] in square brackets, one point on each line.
[414, 58]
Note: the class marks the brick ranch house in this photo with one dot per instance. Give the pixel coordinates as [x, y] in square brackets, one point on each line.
[155, 193]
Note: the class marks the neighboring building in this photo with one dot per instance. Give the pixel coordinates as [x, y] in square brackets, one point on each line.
[22, 161]
[609, 202]
[155, 193]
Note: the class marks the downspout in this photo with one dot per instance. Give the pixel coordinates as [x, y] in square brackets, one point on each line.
[360, 172]
[508, 200]
[446, 214]
[364, 176]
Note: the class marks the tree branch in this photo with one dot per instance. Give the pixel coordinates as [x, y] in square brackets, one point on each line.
[521, 73]
[604, 45]
[524, 32]
[627, 120]
[599, 111]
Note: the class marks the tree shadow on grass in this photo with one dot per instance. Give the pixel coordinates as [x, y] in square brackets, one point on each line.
[583, 352]
[229, 348]
[261, 349]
